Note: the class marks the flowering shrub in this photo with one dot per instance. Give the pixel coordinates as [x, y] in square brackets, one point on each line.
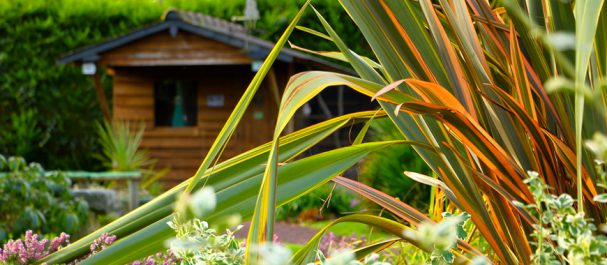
[30, 249]
[105, 240]
[197, 243]
[32, 200]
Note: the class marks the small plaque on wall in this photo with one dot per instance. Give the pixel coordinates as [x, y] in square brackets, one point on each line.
[215, 100]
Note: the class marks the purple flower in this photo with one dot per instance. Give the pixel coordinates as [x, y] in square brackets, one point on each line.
[57, 242]
[102, 243]
[30, 249]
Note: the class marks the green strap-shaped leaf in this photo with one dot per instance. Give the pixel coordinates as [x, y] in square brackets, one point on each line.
[307, 253]
[587, 16]
[397, 207]
[295, 179]
[300, 89]
[230, 125]
[227, 173]
[362, 252]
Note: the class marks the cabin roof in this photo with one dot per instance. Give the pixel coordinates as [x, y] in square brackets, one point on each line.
[205, 26]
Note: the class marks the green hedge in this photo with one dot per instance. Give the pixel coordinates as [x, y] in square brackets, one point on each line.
[48, 112]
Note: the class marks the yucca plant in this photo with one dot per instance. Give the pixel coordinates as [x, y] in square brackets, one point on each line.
[120, 146]
[485, 92]
[121, 151]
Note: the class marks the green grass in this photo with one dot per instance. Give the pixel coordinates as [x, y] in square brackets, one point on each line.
[293, 247]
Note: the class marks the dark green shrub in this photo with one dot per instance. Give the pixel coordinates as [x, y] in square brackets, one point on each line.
[384, 170]
[31, 199]
[24, 134]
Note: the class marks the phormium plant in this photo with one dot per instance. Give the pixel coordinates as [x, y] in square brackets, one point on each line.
[484, 92]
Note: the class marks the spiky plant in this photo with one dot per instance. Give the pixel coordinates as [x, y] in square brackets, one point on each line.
[467, 83]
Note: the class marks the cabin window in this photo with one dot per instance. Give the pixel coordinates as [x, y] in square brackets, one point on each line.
[175, 103]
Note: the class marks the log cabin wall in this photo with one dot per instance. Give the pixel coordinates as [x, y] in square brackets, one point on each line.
[182, 149]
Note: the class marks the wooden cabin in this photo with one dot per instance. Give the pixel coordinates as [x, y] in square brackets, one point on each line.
[183, 76]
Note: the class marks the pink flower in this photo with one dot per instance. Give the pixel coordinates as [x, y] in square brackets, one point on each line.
[329, 242]
[102, 243]
[30, 249]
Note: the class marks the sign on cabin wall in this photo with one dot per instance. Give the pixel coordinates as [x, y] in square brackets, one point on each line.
[215, 100]
[258, 115]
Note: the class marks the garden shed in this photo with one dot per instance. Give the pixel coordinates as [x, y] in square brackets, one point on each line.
[182, 77]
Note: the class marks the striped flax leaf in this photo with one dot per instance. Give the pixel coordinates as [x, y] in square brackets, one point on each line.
[238, 112]
[295, 179]
[228, 173]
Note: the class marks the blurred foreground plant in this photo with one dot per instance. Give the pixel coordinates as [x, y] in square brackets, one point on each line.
[562, 235]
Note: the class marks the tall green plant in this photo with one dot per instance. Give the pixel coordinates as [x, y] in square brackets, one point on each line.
[120, 146]
[455, 78]
[465, 83]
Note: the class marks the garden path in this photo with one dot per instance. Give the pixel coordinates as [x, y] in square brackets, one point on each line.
[287, 232]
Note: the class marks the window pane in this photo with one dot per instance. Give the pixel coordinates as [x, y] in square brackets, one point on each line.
[175, 103]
